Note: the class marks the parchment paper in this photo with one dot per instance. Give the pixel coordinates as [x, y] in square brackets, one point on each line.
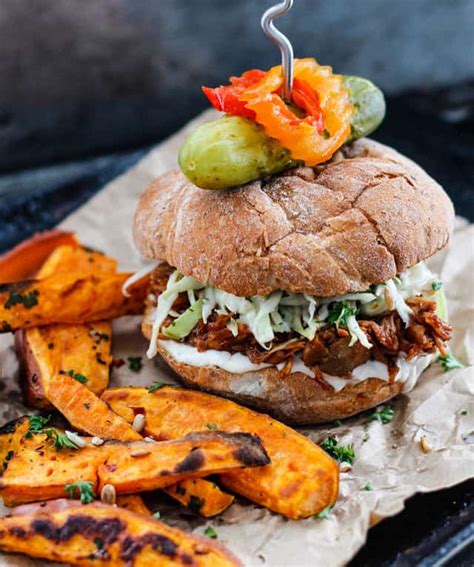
[440, 408]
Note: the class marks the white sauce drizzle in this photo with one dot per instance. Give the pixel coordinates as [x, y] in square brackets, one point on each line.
[137, 276]
[237, 363]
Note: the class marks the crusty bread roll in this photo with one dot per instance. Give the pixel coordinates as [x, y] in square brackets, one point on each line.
[362, 218]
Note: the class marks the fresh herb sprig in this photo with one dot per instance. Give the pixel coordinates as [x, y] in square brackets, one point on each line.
[82, 488]
[341, 453]
[450, 362]
[156, 386]
[384, 414]
[135, 363]
[76, 375]
[340, 313]
[58, 440]
[325, 514]
[210, 532]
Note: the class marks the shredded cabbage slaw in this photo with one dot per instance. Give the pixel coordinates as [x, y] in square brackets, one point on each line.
[284, 312]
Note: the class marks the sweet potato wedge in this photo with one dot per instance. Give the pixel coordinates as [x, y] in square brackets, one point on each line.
[302, 479]
[68, 298]
[35, 470]
[97, 534]
[86, 412]
[201, 496]
[133, 503]
[145, 466]
[26, 258]
[45, 351]
[79, 259]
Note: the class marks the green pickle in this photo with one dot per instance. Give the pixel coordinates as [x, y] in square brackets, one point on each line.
[369, 104]
[232, 150]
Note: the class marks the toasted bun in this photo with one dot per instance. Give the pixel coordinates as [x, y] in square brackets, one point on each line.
[297, 398]
[360, 219]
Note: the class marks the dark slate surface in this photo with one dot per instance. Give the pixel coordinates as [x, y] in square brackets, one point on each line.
[83, 78]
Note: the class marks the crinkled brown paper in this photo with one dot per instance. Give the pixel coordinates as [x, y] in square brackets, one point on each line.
[389, 456]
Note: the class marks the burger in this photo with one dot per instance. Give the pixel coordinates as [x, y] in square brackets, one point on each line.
[302, 293]
[305, 295]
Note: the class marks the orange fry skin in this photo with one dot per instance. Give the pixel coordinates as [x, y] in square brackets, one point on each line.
[101, 535]
[68, 298]
[34, 470]
[25, 259]
[201, 496]
[302, 479]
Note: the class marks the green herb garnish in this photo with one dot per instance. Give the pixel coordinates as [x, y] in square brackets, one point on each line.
[76, 375]
[36, 424]
[83, 488]
[368, 486]
[463, 412]
[157, 515]
[59, 440]
[340, 313]
[450, 362]
[435, 286]
[28, 300]
[156, 386]
[324, 514]
[384, 414]
[211, 425]
[341, 453]
[135, 363]
[210, 532]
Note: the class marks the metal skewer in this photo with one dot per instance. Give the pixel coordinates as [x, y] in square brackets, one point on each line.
[286, 49]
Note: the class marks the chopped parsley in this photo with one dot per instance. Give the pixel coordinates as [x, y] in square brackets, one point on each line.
[36, 424]
[83, 488]
[340, 313]
[210, 532]
[156, 386]
[341, 453]
[59, 440]
[28, 300]
[384, 414]
[324, 514]
[450, 362]
[211, 425]
[435, 286]
[368, 486]
[76, 375]
[463, 412]
[326, 134]
[135, 363]
[156, 515]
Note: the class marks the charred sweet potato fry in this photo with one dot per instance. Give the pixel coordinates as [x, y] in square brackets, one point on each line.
[36, 470]
[97, 534]
[300, 482]
[201, 496]
[81, 350]
[25, 259]
[148, 466]
[68, 298]
[133, 503]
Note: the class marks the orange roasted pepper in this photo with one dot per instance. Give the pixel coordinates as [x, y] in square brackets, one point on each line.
[302, 137]
[313, 138]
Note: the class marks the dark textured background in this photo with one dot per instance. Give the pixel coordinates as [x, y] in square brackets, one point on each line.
[81, 77]
[88, 85]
